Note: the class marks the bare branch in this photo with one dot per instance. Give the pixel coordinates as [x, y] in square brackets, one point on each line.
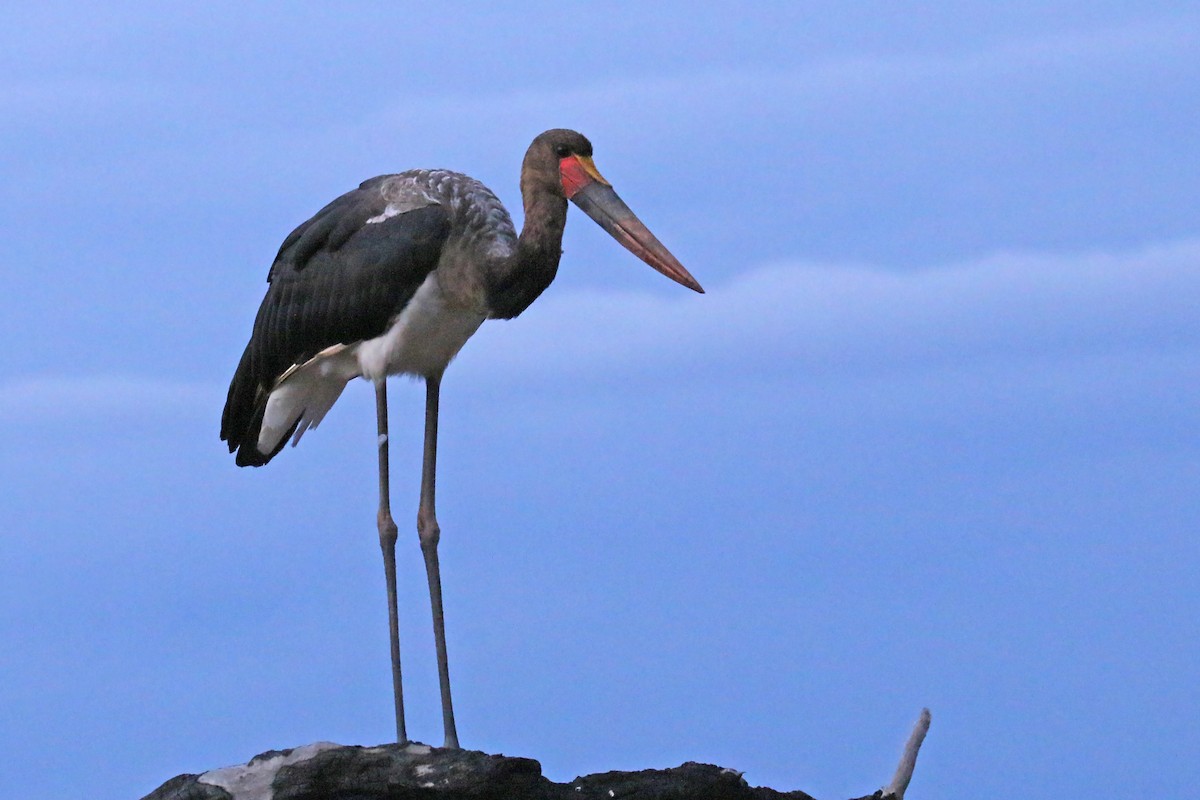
[908, 761]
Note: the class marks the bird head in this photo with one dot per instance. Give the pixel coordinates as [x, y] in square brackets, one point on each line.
[560, 162]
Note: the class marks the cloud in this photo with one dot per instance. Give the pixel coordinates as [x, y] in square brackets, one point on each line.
[83, 96]
[815, 319]
[1068, 314]
[92, 397]
[837, 79]
[79, 100]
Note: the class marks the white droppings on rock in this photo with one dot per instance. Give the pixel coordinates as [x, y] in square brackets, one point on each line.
[419, 749]
[253, 781]
[423, 769]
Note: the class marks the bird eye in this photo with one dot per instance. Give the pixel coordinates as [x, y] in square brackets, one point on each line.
[562, 151]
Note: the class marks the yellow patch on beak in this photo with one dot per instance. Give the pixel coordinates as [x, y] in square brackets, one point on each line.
[590, 168]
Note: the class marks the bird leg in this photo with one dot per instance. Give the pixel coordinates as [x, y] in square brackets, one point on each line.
[387, 543]
[429, 532]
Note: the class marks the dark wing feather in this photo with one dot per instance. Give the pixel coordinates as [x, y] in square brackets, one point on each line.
[337, 280]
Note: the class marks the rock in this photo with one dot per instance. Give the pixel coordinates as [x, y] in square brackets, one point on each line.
[324, 771]
[328, 771]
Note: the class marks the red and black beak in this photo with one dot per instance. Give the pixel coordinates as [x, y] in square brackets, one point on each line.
[585, 187]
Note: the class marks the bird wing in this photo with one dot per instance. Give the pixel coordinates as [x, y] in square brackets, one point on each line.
[339, 278]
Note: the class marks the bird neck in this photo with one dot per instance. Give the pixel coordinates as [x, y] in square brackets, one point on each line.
[533, 265]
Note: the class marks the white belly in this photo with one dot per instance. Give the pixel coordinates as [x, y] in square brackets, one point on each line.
[423, 340]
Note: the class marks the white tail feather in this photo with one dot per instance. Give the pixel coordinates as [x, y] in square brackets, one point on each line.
[304, 394]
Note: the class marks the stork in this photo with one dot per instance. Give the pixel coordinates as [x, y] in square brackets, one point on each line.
[393, 278]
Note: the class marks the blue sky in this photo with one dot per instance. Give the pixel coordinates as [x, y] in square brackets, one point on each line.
[930, 439]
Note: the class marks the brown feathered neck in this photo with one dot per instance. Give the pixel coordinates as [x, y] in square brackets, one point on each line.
[533, 265]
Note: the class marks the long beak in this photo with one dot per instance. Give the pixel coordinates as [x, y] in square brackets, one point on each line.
[584, 186]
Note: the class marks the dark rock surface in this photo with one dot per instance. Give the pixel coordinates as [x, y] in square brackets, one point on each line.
[326, 771]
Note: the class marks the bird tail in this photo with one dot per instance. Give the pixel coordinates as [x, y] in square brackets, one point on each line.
[257, 423]
[243, 414]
